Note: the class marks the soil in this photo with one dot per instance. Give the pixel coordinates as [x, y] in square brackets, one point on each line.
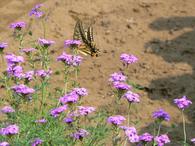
[161, 33]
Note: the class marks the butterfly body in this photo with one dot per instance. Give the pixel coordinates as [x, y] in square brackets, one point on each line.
[87, 46]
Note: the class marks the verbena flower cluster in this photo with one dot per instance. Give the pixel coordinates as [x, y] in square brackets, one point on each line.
[70, 60]
[7, 109]
[80, 134]
[45, 43]
[128, 59]
[36, 11]
[116, 120]
[183, 102]
[71, 43]
[18, 25]
[161, 115]
[9, 130]
[23, 89]
[162, 140]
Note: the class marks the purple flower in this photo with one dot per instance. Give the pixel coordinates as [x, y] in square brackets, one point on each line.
[128, 59]
[71, 97]
[43, 73]
[117, 77]
[16, 71]
[131, 97]
[131, 134]
[4, 143]
[161, 115]
[7, 109]
[66, 58]
[162, 140]
[41, 121]
[23, 89]
[45, 43]
[84, 111]
[18, 25]
[71, 60]
[29, 75]
[121, 86]
[13, 59]
[68, 120]
[36, 11]
[76, 60]
[9, 130]
[146, 137]
[183, 102]
[80, 134]
[116, 120]
[80, 91]
[28, 50]
[37, 141]
[3, 46]
[71, 43]
[57, 111]
[193, 140]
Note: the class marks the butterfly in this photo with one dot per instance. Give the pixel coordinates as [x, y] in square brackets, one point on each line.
[87, 46]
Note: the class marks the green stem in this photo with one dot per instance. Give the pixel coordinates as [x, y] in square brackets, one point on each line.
[159, 127]
[184, 127]
[129, 109]
[128, 120]
[43, 94]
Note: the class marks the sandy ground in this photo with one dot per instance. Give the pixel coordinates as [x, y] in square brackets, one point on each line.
[159, 32]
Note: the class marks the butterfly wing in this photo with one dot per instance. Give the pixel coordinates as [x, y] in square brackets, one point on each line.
[86, 36]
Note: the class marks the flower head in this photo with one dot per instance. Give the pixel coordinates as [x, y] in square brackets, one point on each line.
[28, 50]
[43, 73]
[18, 25]
[36, 11]
[84, 111]
[121, 86]
[41, 121]
[7, 109]
[37, 141]
[71, 97]
[76, 60]
[3, 46]
[131, 97]
[162, 140]
[116, 120]
[13, 59]
[29, 75]
[45, 43]
[131, 134]
[4, 143]
[70, 60]
[80, 134]
[183, 102]
[71, 43]
[9, 130]
[66, 58]
[161, 115]
[80, 91]
[23, 89]
[16, 71]
[128, 59]
[117, 77]
[68, 120]
[57, 111]
[146, 137]
[193, 140]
